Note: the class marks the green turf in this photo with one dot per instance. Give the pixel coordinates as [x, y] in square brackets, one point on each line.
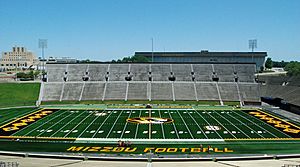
[18, 94]
[188, 124]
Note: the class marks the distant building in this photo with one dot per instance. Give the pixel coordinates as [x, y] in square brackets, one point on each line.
[207, 57]
[17, 59]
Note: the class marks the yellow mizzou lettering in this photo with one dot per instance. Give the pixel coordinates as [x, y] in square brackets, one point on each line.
[146, 150]
[276, 122]
[13, 126]
[102, 149]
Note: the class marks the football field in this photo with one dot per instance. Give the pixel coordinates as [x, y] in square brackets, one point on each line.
[156, 124]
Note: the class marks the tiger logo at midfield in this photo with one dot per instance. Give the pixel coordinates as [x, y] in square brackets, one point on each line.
[149, 120]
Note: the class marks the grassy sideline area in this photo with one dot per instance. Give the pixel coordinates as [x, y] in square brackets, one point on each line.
[18, 94]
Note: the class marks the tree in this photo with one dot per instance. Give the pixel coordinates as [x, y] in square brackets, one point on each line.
[293, 68]
[269, 63]
[135, 59]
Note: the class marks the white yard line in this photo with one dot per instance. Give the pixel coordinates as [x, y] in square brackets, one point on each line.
[174, 125]
[89, 125]
[220, 124]
[247, 126]
[263, 127]
[77, 125]
[114, 124]
[125, 125]
[67, 123]
[185, 124]
[137, 126]
[209, 124]
[233, 124]
[41, 124]
[102, 123]
[197, 123]
[162, 127]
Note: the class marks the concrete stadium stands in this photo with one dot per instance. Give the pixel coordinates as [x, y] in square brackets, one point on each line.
[52, 91]
[203, 72]
[249, 92]
[225, 72]
[160, 72]
[118, 72]
[207, 91]
[138, 91]
[140, 72]
[184, 91]
[228, 91]
[97, 72]
[115, 91]
[182, 72]
[107, 82]
[161, 91]
[93, 91]
[72, 91]
[76, 71]
[55, 72]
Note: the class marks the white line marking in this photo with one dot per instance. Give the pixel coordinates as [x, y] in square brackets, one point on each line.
[174, 126]
[220, 124]
[185, 124]
[209, 124]
[114, 124]
[125, 125]
[137, 126]
[102, 124]
[197, 124]
[96, 117]
[78, 124]
[232, 124]
[67, 123]
[41, 124]
[162, 127]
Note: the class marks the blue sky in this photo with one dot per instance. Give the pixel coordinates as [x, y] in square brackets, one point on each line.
[111, 29]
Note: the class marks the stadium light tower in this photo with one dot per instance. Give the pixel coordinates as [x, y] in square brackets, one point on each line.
[252, 44]
[43, 45]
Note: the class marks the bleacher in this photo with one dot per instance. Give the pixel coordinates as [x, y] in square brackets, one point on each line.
[150, 82]
[284, 87]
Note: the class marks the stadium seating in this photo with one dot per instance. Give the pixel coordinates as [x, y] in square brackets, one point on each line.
[203, 72]
[228, 92]
[182, 72]
[184, 91]
[225, 72]
[52, 91]
[249, 91]
[118, 72]
[97, 72]
[56, 72]
[72, 91]
[140, 72]
[76, 71]
[115, 91]
[138, 91]
[191, 82]
[160, 72]
[93, 91]
[281, 86]
[207, 91]
[161, 91]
